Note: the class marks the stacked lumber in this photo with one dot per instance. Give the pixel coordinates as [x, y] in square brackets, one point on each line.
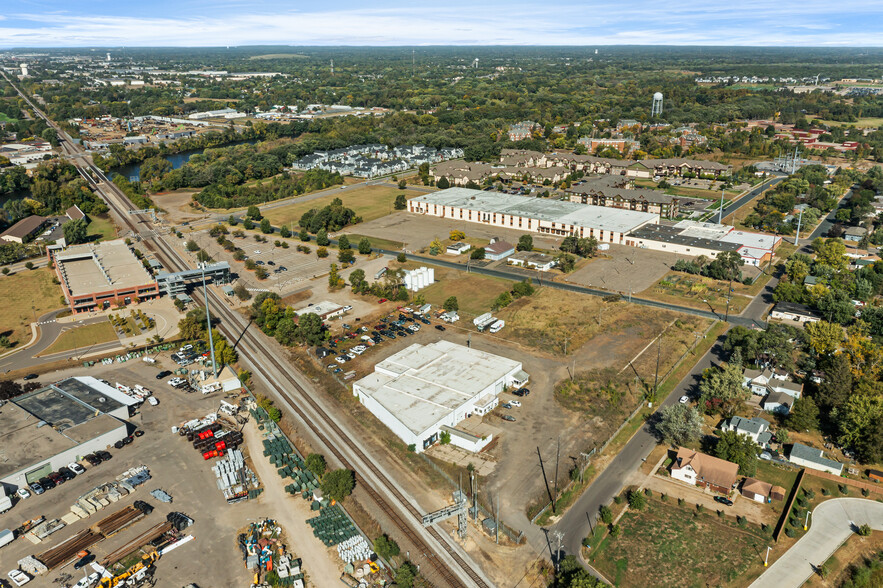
[66, 551]
[117, 521]
[144, 538]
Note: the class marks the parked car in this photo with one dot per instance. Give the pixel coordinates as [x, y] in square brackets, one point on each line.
[93, 459]
[439, 327]
[382, 300]
[57, 478]
[341, 359]
[31, 377]
[76, 468]
[163, 374]
[23, 493]
[515, 403]
[88, 581]
[509, 417]
[684, 399]
[84, 561]
[66, 473]
[104, 455]
[47, 483]
[118, 445]
[37, 488]
[521, 392]
[723, 500]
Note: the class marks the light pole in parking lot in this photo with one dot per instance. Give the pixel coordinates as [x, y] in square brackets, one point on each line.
[208, 319]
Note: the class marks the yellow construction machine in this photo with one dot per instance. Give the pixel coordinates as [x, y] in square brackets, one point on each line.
[134, 574]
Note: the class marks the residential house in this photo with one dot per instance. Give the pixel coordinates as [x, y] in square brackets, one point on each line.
[792, 389]
[757, 380]
[757, 429]
[522, 130]
[756, 490]
[458, 248]
[793, 311]
[815, 459]
[778, 402]
[700, 469]
[679, 167]
[498, 249]
[532, 260]
[854, 234]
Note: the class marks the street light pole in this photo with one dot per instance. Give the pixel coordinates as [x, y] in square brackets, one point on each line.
[806, 522]
[766, 559]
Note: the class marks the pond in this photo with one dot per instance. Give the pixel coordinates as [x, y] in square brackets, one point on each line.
[133, 170]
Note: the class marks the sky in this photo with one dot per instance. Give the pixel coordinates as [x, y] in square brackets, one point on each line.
[194, 23]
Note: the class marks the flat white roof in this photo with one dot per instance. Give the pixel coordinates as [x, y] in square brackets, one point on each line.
[558, 211]
[422, 384]
[97, 267]
[320, 308]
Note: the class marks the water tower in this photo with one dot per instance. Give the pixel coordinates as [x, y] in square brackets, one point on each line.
[656, 109]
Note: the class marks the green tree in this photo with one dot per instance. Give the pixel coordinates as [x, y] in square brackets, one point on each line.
[334, 279]
[525, 243]
[346, 256]
[338, 484]
[75, 231]
[477, 253]
[406, 575]
[284, 232]
[310, 329]
[804, 416]
[225, 354]
[451, 304]
[386, 547]
[343, 243]
[401, 203]
[739, 449]
[247, 224]
[254, 213]
[523, 288]
[191, 246]
[304, 235]
[401, 257]
[316, 464]
[443, 183]
[321, 252]
[502, 301]
[637, 500]
[357, 278]
[679, 424]
[721, 387]
[364, 246]
[266, 228]
[402, 184]
[322, 238]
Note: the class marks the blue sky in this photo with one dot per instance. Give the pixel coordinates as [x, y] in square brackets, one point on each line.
[73, 23]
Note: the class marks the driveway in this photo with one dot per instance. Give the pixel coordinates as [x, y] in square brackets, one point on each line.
[832, 524]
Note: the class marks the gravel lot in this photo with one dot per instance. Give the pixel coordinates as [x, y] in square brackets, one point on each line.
[625, 268]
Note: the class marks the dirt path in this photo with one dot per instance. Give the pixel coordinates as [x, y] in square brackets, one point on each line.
[322, 566]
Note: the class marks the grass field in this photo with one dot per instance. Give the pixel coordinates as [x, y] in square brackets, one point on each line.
[671, 545]
[101, 228]
[5, 118]
[21, 291]
[83, 337]
[369, 202]
[776, 475]
[377, 242]
[863, 123]
[474, 293]
[693, 291]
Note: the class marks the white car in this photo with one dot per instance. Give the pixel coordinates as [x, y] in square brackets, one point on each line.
[341, 359]
[347, 308]
[515, 402]
[187, 347]
[684, 399]
[76, 468]
[23, 493]
[152, 401]
[18, 577]
[351, 355]
[89, 580]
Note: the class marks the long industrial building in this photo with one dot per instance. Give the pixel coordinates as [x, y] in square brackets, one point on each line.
[48, 428]
[537, 215]
[425, 390]
[708, 239]
[94, 275]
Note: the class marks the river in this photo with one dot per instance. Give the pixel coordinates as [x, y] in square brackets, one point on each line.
[133, 170]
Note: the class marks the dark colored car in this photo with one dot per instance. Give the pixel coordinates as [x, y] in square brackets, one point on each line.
[127, 440]
[57, 478]
[138, 433]
[509, 417]
[103, 455]
[37, 488]
[67, 473]
[521, 392]
[163, 374]
[723, 500]
[31, 377]
[439, 327]
[84, 561]
[47, 483]
[93, 459]
[118, 445]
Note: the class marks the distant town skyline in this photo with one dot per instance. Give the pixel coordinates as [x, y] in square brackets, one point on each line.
[194, 23]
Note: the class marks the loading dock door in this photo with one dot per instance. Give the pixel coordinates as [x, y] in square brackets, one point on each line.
[35, 475]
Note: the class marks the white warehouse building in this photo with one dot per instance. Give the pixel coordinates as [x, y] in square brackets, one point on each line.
[49, 428]
[536, 215]
[425, 390]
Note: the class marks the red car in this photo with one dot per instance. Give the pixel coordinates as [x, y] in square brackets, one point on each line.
[382, 300]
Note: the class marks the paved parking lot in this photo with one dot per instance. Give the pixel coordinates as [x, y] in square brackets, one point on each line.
[212, 558]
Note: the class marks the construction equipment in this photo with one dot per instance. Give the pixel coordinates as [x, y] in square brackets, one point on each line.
[134, 574]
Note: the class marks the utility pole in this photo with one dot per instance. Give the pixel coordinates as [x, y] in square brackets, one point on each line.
[797, 235]
[557, 461]
[497, 521]
[208, 319]
[658, 353]
[720, 214]
[559, 536]
[729, 293]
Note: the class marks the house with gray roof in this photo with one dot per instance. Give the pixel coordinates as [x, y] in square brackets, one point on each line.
[814, 459]
[755, 428]
[778, 402]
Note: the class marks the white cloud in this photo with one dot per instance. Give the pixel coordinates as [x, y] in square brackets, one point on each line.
[717, 22]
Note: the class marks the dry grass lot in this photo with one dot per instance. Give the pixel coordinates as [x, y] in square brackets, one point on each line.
[369, 202]
[22, 291]
[474, 293]
[671, 545]
[692, 290]
[101, 228]
[82, 337]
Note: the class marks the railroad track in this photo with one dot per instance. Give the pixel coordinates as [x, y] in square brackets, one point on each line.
[254, 350]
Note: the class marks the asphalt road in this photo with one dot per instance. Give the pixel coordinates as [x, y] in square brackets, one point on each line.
[737, 204]
[833, 522]
[49, 330]
[575, 524]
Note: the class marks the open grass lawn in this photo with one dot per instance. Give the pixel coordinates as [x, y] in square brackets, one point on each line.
[101, 228]
[863, 123]
[83, 337]
[19, 292]
[474, 293]
[692, 290]
[776, 475]
[377, 242]
[671, 545]
[5, 118]
[369, 202]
